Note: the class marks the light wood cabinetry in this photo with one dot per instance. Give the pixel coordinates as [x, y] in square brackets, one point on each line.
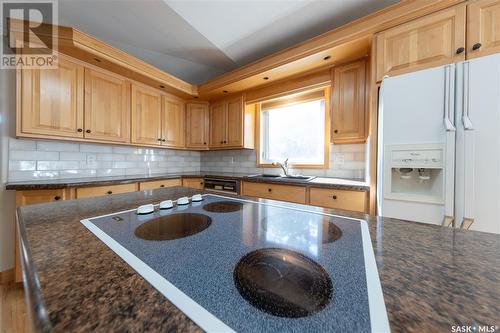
[432, 40]
[348, 120]
[173, 129]
[107, 106]
[50, 102]
[97, 191]
[154, 184]
[275, 191]
[483, 28]
[196, 183]
[339, 199]
[231, 124]
[197, 135]
[146, 115]
[217, 124]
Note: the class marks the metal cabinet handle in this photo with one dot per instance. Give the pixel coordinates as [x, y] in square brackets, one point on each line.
[334, 197]
[269, 190]
[57, 198]
[79, 130]
[163, 140]
[460, 50]
[476, 46]
[158, 139]
[109, 192]
[88, 131]
[335, 131]
[162, 185]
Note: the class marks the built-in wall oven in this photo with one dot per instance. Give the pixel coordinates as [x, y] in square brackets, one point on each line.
[231, 186]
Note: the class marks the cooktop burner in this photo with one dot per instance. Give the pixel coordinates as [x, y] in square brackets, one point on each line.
[223, 206]
[331, 232]
[282, 282]
[173, 226]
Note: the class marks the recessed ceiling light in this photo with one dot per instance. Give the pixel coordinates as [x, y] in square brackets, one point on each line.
[265, 78]
[327, 57]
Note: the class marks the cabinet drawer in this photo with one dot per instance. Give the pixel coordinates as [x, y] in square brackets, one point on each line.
[275, 191]
[87, 192]
[159, 184]
[39, 196]
[193, 183]
[338, 199]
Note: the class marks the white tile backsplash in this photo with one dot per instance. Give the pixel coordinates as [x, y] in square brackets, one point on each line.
[41, 159]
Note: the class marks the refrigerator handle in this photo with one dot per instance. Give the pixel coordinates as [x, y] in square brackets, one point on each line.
[469, 138]
[448, 99]
[465, 115]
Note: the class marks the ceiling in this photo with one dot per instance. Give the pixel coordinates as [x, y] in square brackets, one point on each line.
[199, 40]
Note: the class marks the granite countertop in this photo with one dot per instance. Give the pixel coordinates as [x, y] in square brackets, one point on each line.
[432, 277]
[323, 182]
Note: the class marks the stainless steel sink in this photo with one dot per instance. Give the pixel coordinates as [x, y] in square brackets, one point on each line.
[297, 178]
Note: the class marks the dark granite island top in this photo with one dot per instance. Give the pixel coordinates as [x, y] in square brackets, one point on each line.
[432, 277]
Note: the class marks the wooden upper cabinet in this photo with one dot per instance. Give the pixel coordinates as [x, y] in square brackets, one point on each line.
[429, 41]
[483, 28]
[50, 102]
[197, 125]
[107, 106]
[217, 124]
[228, 123]
[173, 128]
[146, 115]
[234, 122]
[348, 121]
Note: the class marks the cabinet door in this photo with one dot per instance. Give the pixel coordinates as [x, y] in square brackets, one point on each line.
[197, 125]
[430, 41]
[146, 115]
[97, 191]
[483, 28]
[51, 101]
[348, 113]
[159, 184]
[173, 123]
[234, 123]
[197, 183]
[217, 125]
[107, 107]
[338, 199]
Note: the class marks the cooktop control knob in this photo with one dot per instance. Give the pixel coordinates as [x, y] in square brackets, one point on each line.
[197, 197]
[183, 201]
[167, 204]
[145, 209]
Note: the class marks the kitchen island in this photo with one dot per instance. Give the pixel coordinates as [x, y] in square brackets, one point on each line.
[432, 277]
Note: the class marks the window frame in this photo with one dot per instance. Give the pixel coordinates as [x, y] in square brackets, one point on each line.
[287, 100]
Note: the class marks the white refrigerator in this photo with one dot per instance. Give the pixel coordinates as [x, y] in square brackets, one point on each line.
[439, 145]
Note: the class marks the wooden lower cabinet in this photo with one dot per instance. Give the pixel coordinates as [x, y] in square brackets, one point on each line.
[196, 183]
[339, 199]
[88, 192]
[159, 184]
[275, 191]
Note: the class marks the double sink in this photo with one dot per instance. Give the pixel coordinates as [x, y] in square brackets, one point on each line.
[288, 178]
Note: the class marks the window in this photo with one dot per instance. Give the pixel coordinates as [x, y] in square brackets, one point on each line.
[294, 130]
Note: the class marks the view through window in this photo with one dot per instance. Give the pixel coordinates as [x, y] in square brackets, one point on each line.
[294, 131]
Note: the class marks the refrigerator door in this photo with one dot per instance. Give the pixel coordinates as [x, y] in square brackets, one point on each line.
[418, 109]
[478, 145]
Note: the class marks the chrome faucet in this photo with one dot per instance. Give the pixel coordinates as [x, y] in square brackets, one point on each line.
[283, 166]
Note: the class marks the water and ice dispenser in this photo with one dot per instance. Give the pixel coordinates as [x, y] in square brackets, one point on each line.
[414, 173]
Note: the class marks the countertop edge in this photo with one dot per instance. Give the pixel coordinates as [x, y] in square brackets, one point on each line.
[61, 184]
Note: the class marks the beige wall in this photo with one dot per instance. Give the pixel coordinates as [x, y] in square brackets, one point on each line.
[7, 198]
